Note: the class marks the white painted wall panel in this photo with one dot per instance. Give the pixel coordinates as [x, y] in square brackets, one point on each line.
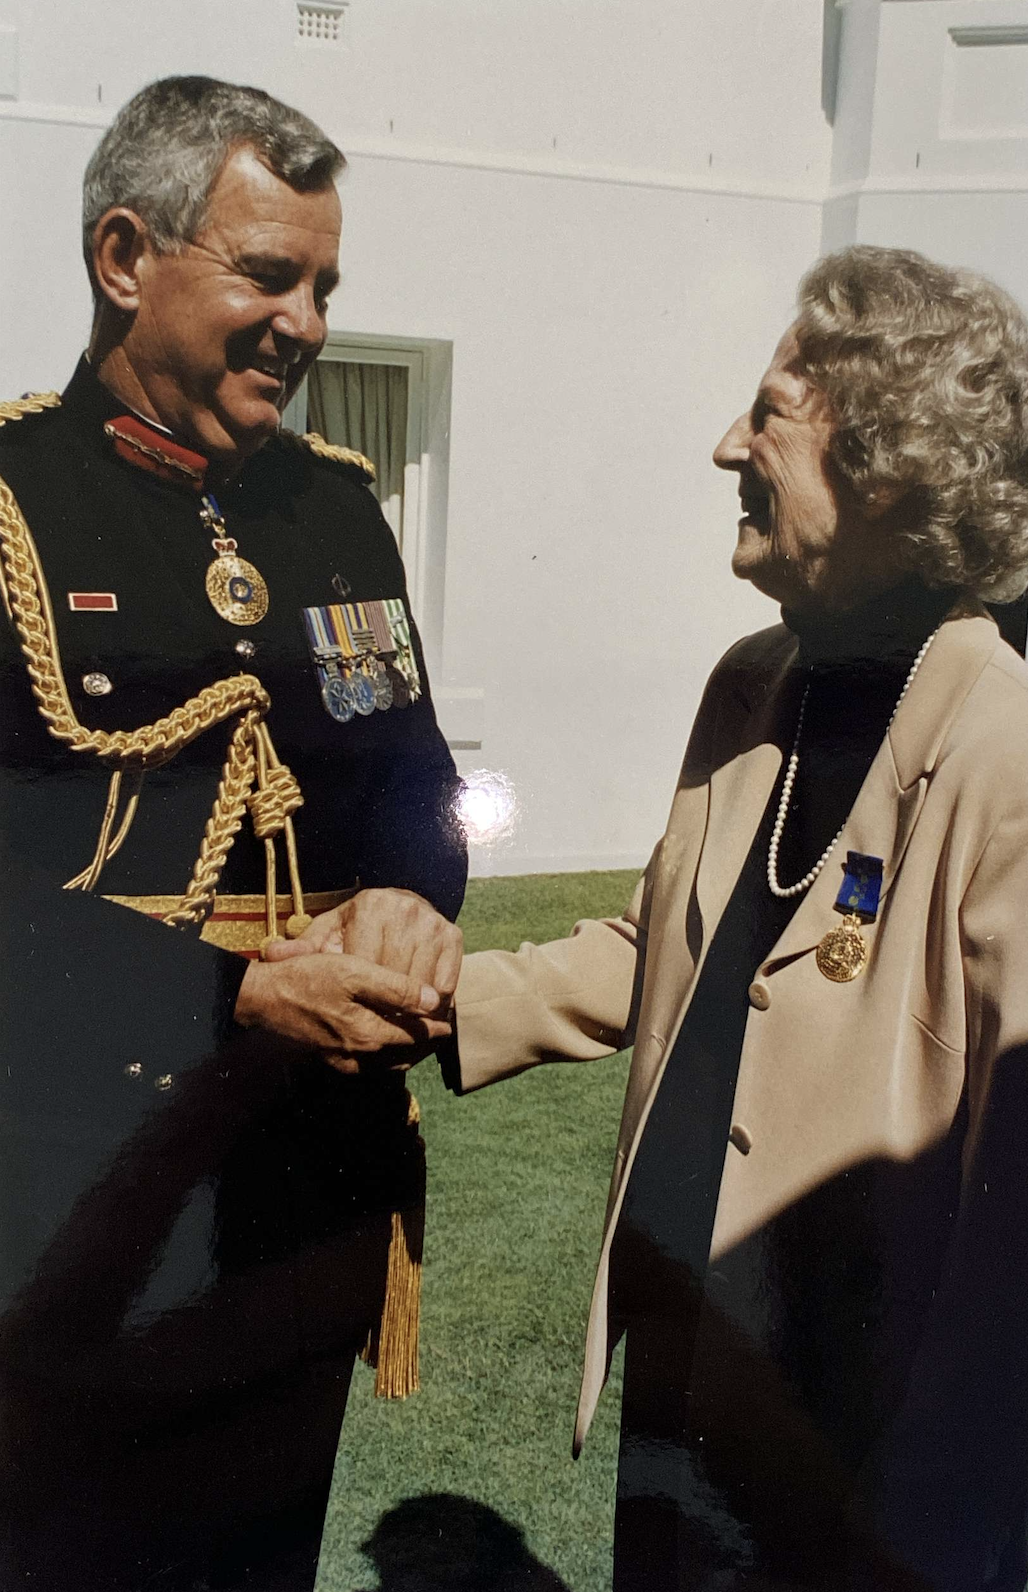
[933, 93]
[603, 337]
[660, 85]
[931, 143]
[44, 295]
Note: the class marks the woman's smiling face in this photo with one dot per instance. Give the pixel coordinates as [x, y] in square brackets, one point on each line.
[803, 540]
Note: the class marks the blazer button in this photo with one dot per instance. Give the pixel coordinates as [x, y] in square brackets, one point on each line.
[760, 995]
[741, 1138]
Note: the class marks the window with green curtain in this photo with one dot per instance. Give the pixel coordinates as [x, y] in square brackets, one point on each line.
[364, 406]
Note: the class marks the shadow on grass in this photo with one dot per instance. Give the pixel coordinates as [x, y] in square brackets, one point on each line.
[441, 1542]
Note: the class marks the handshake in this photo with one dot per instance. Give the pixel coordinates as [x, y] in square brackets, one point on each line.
[377, 972]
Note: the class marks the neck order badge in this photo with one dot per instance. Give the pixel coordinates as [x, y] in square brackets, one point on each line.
[235, 587]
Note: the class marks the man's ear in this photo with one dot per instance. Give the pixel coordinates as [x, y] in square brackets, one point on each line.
[120, 243]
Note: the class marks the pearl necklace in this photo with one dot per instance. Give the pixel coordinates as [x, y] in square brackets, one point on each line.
[783, 892]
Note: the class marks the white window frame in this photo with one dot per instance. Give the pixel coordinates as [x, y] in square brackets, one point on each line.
[422, 535]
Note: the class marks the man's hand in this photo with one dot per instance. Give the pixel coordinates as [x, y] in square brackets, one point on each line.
[395, 929]
[342, 1005]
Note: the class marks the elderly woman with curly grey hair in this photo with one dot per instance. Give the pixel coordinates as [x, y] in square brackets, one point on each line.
[816, 1242]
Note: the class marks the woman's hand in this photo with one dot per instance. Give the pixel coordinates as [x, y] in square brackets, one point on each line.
[394, 929]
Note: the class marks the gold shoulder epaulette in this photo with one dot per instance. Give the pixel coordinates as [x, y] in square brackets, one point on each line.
[331, 450]
[32, 404]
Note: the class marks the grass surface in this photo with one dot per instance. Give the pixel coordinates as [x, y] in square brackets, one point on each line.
[518, 1176]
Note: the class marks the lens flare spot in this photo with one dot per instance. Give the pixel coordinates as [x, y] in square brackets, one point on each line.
[486, 806]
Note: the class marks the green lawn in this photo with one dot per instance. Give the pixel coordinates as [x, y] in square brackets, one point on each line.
[517, 1182]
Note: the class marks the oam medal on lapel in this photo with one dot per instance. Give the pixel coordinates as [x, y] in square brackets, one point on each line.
[842, 954]
[363, 656]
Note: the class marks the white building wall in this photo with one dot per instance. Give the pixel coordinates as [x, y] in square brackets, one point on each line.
[931, 133]
[603, 337]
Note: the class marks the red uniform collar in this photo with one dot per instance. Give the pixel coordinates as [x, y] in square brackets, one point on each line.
[150, 448]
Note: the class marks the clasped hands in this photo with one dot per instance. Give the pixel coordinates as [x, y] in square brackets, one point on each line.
[378, 971]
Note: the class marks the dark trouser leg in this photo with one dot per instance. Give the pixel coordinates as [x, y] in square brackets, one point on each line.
[675, 1528]
[277, 1551]
[275, 1555]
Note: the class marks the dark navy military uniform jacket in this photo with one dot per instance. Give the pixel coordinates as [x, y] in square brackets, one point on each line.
[195, 1220]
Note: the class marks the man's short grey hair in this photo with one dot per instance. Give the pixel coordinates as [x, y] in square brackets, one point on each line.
[926, 373]
[162, 155]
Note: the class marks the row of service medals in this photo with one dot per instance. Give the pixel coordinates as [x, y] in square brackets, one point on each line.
[363, 650]
[364, 656]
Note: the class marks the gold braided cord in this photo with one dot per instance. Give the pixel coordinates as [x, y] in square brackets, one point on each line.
[223, 824]
[241, 696]
[104, 840]
[272, 805]
[277, 795]
[300, 918]
[32, 404]
[150, 745]
[393, 1343]
[82, 880]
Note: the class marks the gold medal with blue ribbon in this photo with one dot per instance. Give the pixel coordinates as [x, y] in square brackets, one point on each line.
[236, 589]
[842, 954]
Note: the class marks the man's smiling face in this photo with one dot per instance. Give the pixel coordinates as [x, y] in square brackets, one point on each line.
[227, 327]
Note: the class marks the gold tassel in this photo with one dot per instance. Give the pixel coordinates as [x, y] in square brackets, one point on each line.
[392, 1346]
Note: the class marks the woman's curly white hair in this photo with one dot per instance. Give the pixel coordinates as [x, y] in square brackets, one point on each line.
[926, 372]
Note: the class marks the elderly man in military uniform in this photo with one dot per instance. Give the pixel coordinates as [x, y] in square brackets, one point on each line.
[215, 724]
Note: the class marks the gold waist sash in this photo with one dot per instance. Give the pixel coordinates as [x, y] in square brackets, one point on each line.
[237, 922]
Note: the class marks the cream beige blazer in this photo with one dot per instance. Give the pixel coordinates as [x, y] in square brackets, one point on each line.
[830, 1074]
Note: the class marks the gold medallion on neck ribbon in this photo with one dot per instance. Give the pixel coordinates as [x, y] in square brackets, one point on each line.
[237, 589]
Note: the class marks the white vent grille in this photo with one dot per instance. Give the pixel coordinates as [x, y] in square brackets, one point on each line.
[320, 21]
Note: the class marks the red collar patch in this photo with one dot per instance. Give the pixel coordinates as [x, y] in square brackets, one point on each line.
[150, 449]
